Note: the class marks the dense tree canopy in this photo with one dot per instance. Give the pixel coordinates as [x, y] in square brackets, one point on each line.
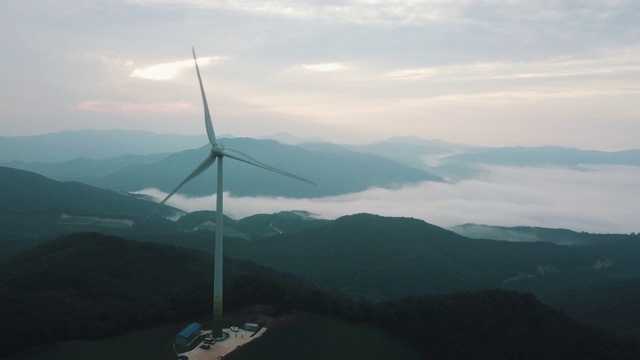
[90, 285]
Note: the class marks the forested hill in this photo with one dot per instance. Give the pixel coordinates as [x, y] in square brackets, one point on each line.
[496, 324]
[532, 234]
[27, 192]
[90, 285]
[377, 257]
[30, 202]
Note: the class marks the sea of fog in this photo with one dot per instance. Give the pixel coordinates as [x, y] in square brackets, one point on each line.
[598, 199]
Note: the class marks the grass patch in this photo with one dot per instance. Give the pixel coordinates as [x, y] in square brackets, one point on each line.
[319, 338]
[147, 344]
[308, 338]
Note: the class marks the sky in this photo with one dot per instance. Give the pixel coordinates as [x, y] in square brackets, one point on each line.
[492, 73]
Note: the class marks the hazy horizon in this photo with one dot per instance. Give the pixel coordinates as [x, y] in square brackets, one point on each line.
[489, 73]
[297, 139]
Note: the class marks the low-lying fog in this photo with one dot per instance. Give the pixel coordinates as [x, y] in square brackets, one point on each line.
[599, 199]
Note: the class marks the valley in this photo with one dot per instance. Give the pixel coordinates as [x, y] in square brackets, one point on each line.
[81, 268]
[126, 285]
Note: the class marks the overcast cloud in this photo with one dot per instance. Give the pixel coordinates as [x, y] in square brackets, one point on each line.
[603, 199]
[478, 72]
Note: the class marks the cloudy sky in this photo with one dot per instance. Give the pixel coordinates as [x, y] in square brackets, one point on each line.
[495, 72]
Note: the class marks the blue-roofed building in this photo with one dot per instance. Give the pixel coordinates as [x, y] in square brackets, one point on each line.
[186, 335]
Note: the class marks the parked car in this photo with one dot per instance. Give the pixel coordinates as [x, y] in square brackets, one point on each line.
[209, 341]
[235, 329]
[183, 357]
[205, 346]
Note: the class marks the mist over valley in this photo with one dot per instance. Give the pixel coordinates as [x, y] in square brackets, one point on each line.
[442, 183]
[370, 239]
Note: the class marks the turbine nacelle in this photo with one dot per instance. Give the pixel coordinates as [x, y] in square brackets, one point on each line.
[217, 150]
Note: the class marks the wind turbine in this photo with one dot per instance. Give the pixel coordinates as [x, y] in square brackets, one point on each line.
[218, 152]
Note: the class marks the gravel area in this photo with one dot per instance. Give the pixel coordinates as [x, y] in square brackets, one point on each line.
[222, 348]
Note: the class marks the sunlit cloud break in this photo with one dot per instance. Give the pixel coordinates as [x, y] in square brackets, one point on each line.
[168, 71]
[322, 67]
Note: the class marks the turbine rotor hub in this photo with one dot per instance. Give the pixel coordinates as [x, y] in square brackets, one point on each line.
[217, 150]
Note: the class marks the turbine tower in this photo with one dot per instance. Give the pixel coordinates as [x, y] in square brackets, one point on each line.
[218, 152]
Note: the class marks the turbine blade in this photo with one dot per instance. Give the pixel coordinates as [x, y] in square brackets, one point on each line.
[207, 116]
[201, 168]
[234, 154]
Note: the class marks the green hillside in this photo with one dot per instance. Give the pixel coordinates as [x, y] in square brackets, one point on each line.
[88, 286]
[613, 304]
[363, 256]
[531, 234]
[377, 258]
[29, 193]
[495, 324]
[32, 205]
[261, 225]
[251, 227]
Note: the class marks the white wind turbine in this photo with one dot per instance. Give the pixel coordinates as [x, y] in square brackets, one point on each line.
[219, 152]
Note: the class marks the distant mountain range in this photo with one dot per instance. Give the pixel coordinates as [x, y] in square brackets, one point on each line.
[533, 234]
[83, 169]
[92, 144]
[545, 155]
[335, 173]
[134, 160]
[335, 169]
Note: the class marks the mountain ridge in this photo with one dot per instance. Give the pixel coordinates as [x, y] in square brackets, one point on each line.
[93, 144]
[334, 173]
[33, 204]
